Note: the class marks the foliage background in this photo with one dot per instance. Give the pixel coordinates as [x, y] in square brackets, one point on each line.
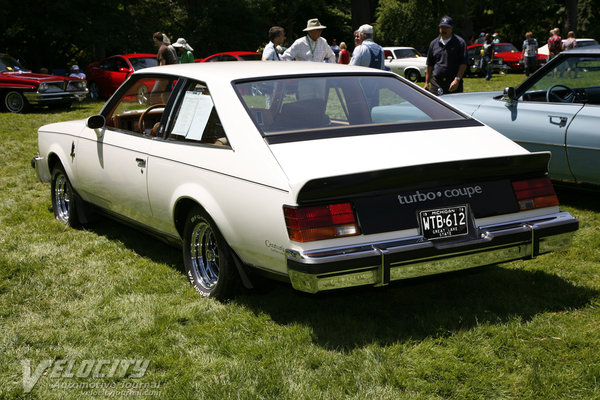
[57, 34]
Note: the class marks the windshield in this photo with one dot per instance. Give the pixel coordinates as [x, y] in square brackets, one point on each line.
[504, 48]
[326, 102]
[250, 57]
[7, 63]
[143, 62]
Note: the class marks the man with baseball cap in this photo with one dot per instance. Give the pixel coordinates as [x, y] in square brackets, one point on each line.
[446, 61]
[311, 47]
[368, 53]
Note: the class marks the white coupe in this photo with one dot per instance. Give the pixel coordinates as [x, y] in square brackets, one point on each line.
[406, 62]
[323, 175]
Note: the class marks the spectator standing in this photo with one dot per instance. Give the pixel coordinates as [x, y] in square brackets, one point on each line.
[570, 42]
[495, 38]
[487, 56]
[446, 60]
[76, 73]
[184, 51]
[311, 47]
[164, 55]
[335, 48]
[344, 54]
[554, 43]
[276, 38]
[530, 53]
[368, 53]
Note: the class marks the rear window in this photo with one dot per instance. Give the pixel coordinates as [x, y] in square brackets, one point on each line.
[337, 102]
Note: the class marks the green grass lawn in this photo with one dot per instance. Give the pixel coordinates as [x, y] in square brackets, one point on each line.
[106, 293]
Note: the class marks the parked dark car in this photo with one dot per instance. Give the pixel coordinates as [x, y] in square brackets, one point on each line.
[20, 88]
[104, 77]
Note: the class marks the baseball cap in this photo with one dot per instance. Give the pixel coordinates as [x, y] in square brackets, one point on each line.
[446, 21]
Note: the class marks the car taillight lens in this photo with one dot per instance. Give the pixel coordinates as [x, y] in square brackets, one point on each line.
[306, 224]
[535, 193]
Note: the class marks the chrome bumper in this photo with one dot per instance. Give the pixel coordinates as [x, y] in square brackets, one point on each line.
[380, 263]
[41, 168]
[48, 98]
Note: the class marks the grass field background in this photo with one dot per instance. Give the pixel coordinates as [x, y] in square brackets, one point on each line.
[521, 330]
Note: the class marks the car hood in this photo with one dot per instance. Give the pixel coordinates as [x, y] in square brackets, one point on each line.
[35, 77]
[470, 102]
[313, 159]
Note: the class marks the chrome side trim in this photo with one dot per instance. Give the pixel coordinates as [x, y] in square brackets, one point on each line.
[378, 263]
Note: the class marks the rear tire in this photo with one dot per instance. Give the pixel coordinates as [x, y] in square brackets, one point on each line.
[207, 258]
[15, 102]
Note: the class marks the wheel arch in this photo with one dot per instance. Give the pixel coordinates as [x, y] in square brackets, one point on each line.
[208, 204]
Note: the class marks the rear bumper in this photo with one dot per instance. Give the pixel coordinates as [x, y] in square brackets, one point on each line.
[382, 262]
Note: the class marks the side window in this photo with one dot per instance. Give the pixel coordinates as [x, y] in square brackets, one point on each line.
[141, 106]
[196, 120]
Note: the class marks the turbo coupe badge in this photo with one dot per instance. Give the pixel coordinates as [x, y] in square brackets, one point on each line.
[420, 197]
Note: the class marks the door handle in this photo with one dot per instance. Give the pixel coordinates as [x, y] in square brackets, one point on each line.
[141, 162]
[558, 120]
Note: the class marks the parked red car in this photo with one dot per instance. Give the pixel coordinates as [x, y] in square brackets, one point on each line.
[510, 55]
[104, 77]
[20, 88]
[232, 56]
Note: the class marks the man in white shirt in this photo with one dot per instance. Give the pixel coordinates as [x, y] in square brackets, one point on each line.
[311, 47]
[367, 53]
[276, 37]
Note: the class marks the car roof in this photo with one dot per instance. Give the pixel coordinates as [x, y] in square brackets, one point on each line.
[233, 53]
[138, 55]
[595, 49]
[397, 48]
[256, 69]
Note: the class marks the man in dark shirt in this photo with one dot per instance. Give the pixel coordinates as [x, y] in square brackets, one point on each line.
[446, 61]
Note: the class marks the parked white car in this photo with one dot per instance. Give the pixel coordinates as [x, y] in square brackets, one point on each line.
[583, 42]
[406, 62]
[324, 175]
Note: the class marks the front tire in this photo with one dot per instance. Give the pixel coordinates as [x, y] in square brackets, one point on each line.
[207, 257]
[412, 75]
[15, 102]
[94, 91]
[65, 202]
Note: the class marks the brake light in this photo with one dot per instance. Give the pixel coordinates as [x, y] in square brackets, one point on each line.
[535, 193]
[306, 224]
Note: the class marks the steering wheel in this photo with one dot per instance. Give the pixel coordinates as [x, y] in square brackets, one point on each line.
[569, 97]
[141, 120]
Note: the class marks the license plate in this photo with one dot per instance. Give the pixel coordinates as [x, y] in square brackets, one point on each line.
[444, 222]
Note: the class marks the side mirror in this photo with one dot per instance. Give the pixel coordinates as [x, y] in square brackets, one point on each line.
[509, 95]
[97, 122]
[389, 58]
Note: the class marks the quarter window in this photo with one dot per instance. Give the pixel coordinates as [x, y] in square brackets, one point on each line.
[196, 120]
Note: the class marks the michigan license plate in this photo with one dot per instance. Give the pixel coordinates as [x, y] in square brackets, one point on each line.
[444, 222]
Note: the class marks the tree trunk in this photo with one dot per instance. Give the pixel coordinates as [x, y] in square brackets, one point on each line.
[571, 20]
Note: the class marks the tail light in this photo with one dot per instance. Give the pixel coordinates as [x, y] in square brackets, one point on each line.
[306, 224]
[535, 193]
